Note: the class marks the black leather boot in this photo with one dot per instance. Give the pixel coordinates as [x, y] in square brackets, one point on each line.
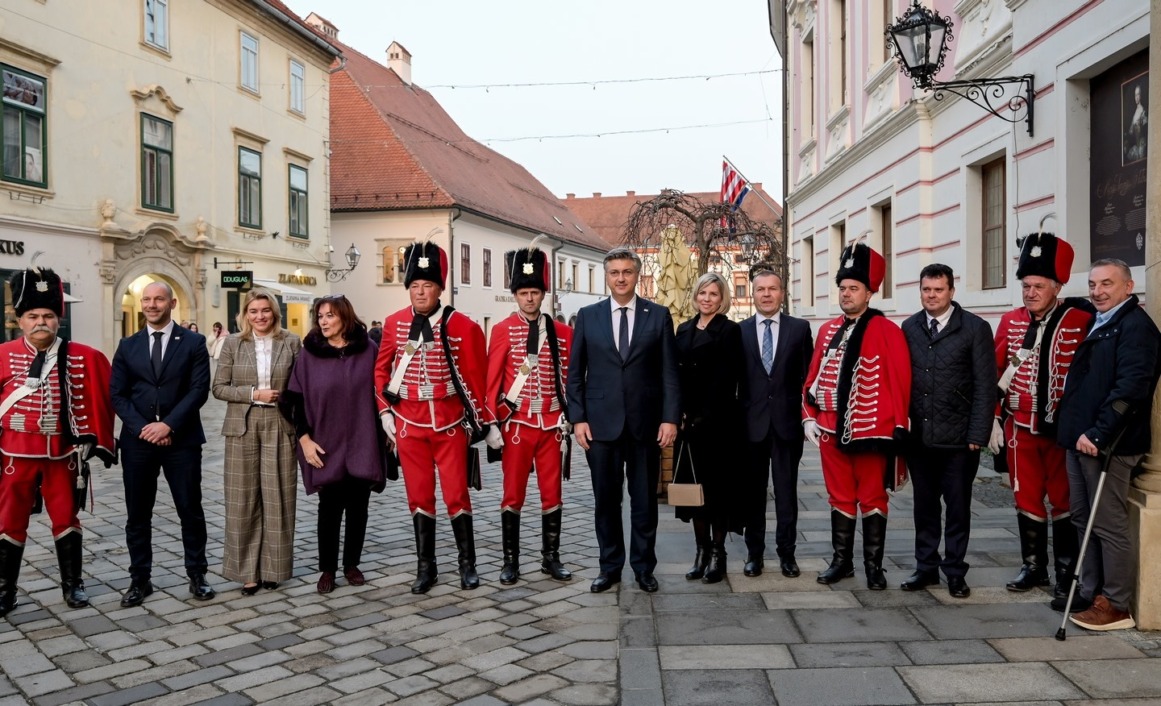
[874, 538]
[1034, 549]
[717, 568]
[466, 543]
[1065, 547]
[10, 557]
[425, 572]
[550, 547]
[510, 540]
[701, 560]
[68, 554]
[842, 537]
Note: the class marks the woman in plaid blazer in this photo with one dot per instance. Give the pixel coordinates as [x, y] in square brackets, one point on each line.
[259, 475]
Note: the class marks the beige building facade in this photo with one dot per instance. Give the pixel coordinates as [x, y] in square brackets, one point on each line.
[155, 140]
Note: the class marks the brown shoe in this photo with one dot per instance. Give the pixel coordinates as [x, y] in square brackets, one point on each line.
[354, 576]
[326, 582]
[1103, 616]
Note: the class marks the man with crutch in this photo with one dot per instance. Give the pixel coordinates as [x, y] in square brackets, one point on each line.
[1104, 426]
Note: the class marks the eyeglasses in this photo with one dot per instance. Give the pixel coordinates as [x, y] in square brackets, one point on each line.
[331, 297]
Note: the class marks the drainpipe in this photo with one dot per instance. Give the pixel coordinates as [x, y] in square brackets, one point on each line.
[555, 285]
[451, 245]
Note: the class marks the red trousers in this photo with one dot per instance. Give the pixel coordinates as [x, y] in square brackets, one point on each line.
[523, 446]
[853, 480]
[1036, 468]
[424, 451]
[18, 479]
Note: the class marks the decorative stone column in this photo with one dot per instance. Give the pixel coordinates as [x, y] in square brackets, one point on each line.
[1145, 495]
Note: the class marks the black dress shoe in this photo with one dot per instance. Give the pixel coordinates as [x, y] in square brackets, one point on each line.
[957, 587]
[647, 583]
[269, 585]
[604, 582]
[199, 589]
[137, 593]
[921, 580]
[250, 590]
[753, 567]
[1079, 603]
[790, 567]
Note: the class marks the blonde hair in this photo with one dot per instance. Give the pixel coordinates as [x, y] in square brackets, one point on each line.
[244, 328]
[713, 278]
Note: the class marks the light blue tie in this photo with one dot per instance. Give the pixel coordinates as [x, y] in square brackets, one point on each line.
[768, 347]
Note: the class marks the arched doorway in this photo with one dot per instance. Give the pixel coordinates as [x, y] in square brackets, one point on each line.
[133, 320]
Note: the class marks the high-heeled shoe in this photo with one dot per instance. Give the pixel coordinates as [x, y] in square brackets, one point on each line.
[269, 585]
[249, 590]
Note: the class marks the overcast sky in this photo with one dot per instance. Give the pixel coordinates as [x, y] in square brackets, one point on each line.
[468, 42]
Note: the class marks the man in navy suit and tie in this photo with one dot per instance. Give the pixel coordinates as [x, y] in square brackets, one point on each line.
[777, 353]
[624, 403]
[160, 380]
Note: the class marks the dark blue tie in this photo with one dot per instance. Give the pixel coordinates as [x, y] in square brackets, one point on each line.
[155, 355]
[768, 346]
[623, 334]
[934, 327]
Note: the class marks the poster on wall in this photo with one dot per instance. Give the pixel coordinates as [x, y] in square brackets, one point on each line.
[1120, 145]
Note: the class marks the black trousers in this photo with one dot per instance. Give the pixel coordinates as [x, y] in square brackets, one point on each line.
[141, 464]
[611, 464]
[780, 459]
[945, 474]
[351, 496]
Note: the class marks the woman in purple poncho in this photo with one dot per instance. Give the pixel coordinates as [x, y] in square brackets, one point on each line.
[342, 455]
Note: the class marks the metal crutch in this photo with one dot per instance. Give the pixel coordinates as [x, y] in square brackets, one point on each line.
[1060, 634]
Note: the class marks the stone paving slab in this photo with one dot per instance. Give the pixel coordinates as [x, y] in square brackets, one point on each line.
[859, 625]
[714, 688]
[726, 627]
[989, 621]
[855, 654]
[725, 657]
[1115, 678]
[962, 683]
[1077, 647]
[839, 687]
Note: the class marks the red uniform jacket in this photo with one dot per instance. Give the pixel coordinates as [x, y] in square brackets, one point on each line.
[541, 403]
[73, 407]
[1038, 384]
[428, 396]
[864, 385]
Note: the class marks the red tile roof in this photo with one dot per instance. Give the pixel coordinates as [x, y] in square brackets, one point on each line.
[607, 215]
[394, 147]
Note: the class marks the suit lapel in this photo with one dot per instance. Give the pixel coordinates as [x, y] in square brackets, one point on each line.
[176, 338]
[146, 347]
[750, 339]
[640, 311]
[779, 343]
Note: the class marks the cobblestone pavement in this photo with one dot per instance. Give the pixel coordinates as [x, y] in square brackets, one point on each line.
[743, 641]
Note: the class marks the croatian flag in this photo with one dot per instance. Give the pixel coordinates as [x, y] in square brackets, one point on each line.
[734, 189]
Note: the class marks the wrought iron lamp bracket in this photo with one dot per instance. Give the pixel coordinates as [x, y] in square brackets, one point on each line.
[992, 95]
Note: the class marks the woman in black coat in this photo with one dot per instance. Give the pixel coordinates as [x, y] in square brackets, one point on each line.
[709, 354]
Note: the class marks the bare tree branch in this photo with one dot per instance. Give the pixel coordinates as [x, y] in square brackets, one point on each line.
[742, 243]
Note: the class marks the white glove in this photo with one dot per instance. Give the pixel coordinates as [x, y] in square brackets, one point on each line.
[813, 433]
[996, 442]
[388, 422]
[493, 438]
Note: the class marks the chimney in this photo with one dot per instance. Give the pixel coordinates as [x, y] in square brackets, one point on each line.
[757, 186]
[596, 194]
[399, 61]
[322, 25]
[630, 193]
[570, 196]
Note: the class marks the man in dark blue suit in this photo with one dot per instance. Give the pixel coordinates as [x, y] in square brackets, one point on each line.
[160, 380]
[624, 404]
[777, 352]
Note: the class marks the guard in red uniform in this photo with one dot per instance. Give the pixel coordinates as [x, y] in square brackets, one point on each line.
[855, 403]
[527, 357]
[55, 414]
[1035, 345]
[429, 379]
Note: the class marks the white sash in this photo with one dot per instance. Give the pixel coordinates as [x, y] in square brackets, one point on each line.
[1021, 355]
[409, 352]
[25, 390]
[526, 369]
